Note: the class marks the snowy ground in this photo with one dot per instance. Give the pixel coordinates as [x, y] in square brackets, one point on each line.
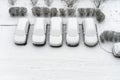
[46, 63]
[112, 21]
[65, 63]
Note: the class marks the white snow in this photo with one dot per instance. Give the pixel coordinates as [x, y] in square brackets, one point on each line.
[55, 38]
[6, 19]
[116, 50]
[85, 4]
[89, 26]
[39, 31]
[90, 32]
[21, 31]
[65, 63]
[111, 9]
[72, 31]
[58, 4]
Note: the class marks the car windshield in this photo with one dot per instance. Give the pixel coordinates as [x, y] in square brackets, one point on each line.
[39, 32]
[72, 32]
[90, 28]
[90, 32]
[20, 32]
[56, 32]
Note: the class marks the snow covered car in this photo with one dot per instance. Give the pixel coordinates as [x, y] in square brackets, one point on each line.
[39, 32]
[72, 32]
[55, 37]
[90, 32]
[21, 33]
[116, 50]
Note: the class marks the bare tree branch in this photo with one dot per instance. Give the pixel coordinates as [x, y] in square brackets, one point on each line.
[98, 3]
[70, 3]
[34, 2]
[12, 2]
[48, 2]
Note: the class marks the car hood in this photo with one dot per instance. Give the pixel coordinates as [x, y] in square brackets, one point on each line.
[20, 39]
[72, 40]
[91, 40]
[39, 39]
[55, 40]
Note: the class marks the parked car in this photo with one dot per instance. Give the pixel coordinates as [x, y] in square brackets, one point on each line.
[55, 38]
[22, 30]
[39, 32]
[116, 50]
[72, 32]
[90, 32]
